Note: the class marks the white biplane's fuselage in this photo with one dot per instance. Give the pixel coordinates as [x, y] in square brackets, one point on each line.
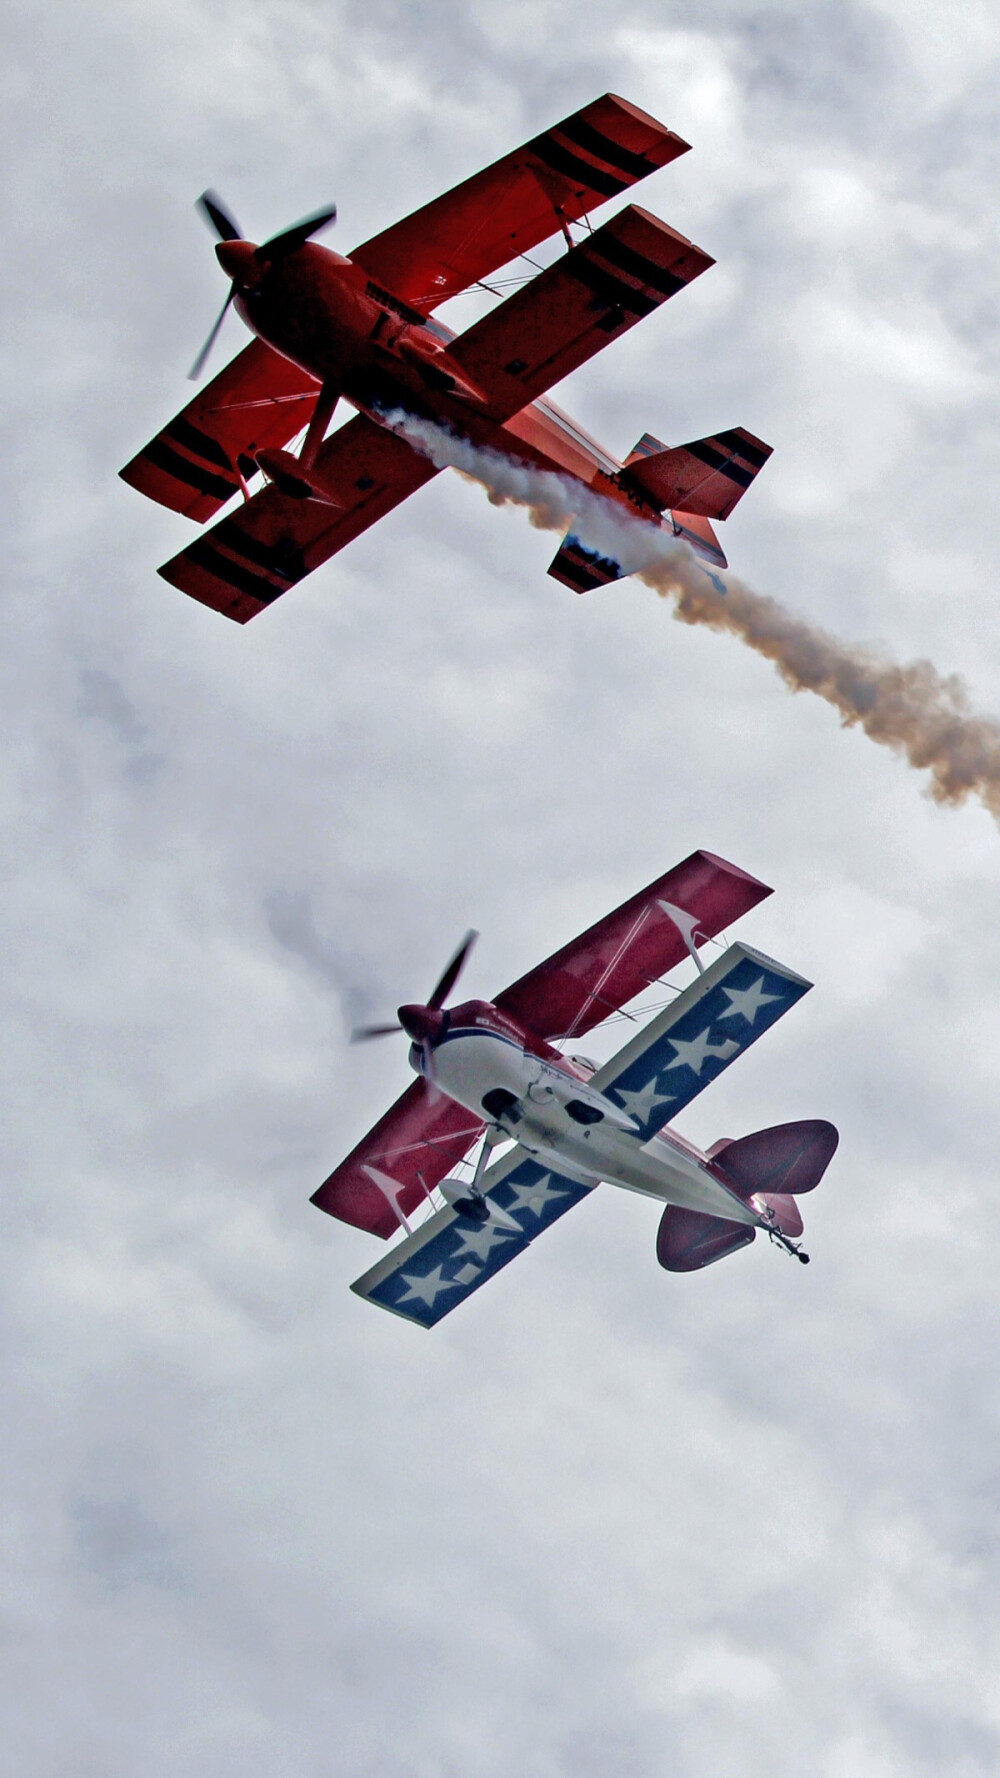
[549, 1108]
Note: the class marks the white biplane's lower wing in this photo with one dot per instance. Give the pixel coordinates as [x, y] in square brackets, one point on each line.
[453, 1253]
[688, 1045]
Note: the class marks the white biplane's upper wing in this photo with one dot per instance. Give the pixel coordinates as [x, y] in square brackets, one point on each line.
[689, 1044]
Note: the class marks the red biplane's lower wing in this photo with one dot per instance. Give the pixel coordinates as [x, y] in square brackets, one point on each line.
[590, 296]
[194, 465]
[266, 546]
[613, 961]
[410, 1150]
[522, 199]
[705, 477]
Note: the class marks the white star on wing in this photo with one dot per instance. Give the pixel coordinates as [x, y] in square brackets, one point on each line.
[480, 1241]
[694, 1052]
[639, 1104]
[426, 1289]
[537, 1194]
[745, 1003]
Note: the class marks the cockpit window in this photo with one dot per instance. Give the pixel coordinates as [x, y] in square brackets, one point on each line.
[498, 1100]
[581, 1113]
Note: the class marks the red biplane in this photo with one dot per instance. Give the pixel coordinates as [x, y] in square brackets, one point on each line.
[491, 1074]
[362, 329]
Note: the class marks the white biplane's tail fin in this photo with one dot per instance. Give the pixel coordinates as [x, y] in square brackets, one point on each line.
[769, 1167]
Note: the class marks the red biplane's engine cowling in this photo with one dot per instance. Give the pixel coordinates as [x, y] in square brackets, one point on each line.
[687, 1240]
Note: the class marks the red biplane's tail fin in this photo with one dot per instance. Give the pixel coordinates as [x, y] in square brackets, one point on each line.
[704, 478]
[785, 1160]
[687, 1240]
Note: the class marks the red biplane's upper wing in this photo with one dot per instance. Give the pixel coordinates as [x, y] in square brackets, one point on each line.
[612, 962]
[593, 294]
[256, 553]
[194, 464]
[520, 200]
[413, 1146]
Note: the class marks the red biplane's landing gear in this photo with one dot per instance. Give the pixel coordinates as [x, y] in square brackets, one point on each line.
[293, 475]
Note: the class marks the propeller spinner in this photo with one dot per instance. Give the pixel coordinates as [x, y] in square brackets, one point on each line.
[241, 259]
[423, 1024]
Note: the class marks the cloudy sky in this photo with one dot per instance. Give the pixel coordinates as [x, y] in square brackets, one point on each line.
[602, 1519]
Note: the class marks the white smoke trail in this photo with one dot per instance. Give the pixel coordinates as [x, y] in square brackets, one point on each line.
[912, 709]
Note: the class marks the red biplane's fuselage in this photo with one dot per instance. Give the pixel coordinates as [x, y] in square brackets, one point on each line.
[319, 311]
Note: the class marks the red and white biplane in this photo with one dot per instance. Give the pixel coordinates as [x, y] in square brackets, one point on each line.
[362, 328]
[490, 1074]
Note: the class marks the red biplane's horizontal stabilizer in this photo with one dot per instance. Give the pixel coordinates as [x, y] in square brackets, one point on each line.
[196, 463]
[687, 1240]
[580, 568]
[272, 542]
[592, 295]
[705, 478]
[785, 1159]
[519, 201]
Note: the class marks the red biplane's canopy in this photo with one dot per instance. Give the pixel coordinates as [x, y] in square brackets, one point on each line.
[423, 1136]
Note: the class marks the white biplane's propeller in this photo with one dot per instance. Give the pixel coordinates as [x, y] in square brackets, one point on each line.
[234, 262]
[422, 1024]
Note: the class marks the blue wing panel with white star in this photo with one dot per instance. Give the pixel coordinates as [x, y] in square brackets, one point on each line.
[451, 1255]
[698, 1035]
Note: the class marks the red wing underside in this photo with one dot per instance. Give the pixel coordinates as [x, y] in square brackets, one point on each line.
[590, 296]
[260, 399]
[619, 957]
[520, 200]
[415, 1144]
[273, 541]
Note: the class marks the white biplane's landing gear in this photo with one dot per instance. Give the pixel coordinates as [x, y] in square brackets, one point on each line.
[777, 1235]
[470, 1200]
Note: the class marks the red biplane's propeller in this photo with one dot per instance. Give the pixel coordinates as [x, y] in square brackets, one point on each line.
[423, 1023]
[237, 262]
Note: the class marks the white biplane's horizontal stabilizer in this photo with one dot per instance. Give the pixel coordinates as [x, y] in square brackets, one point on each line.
[689, 1044]
[457, 1249]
